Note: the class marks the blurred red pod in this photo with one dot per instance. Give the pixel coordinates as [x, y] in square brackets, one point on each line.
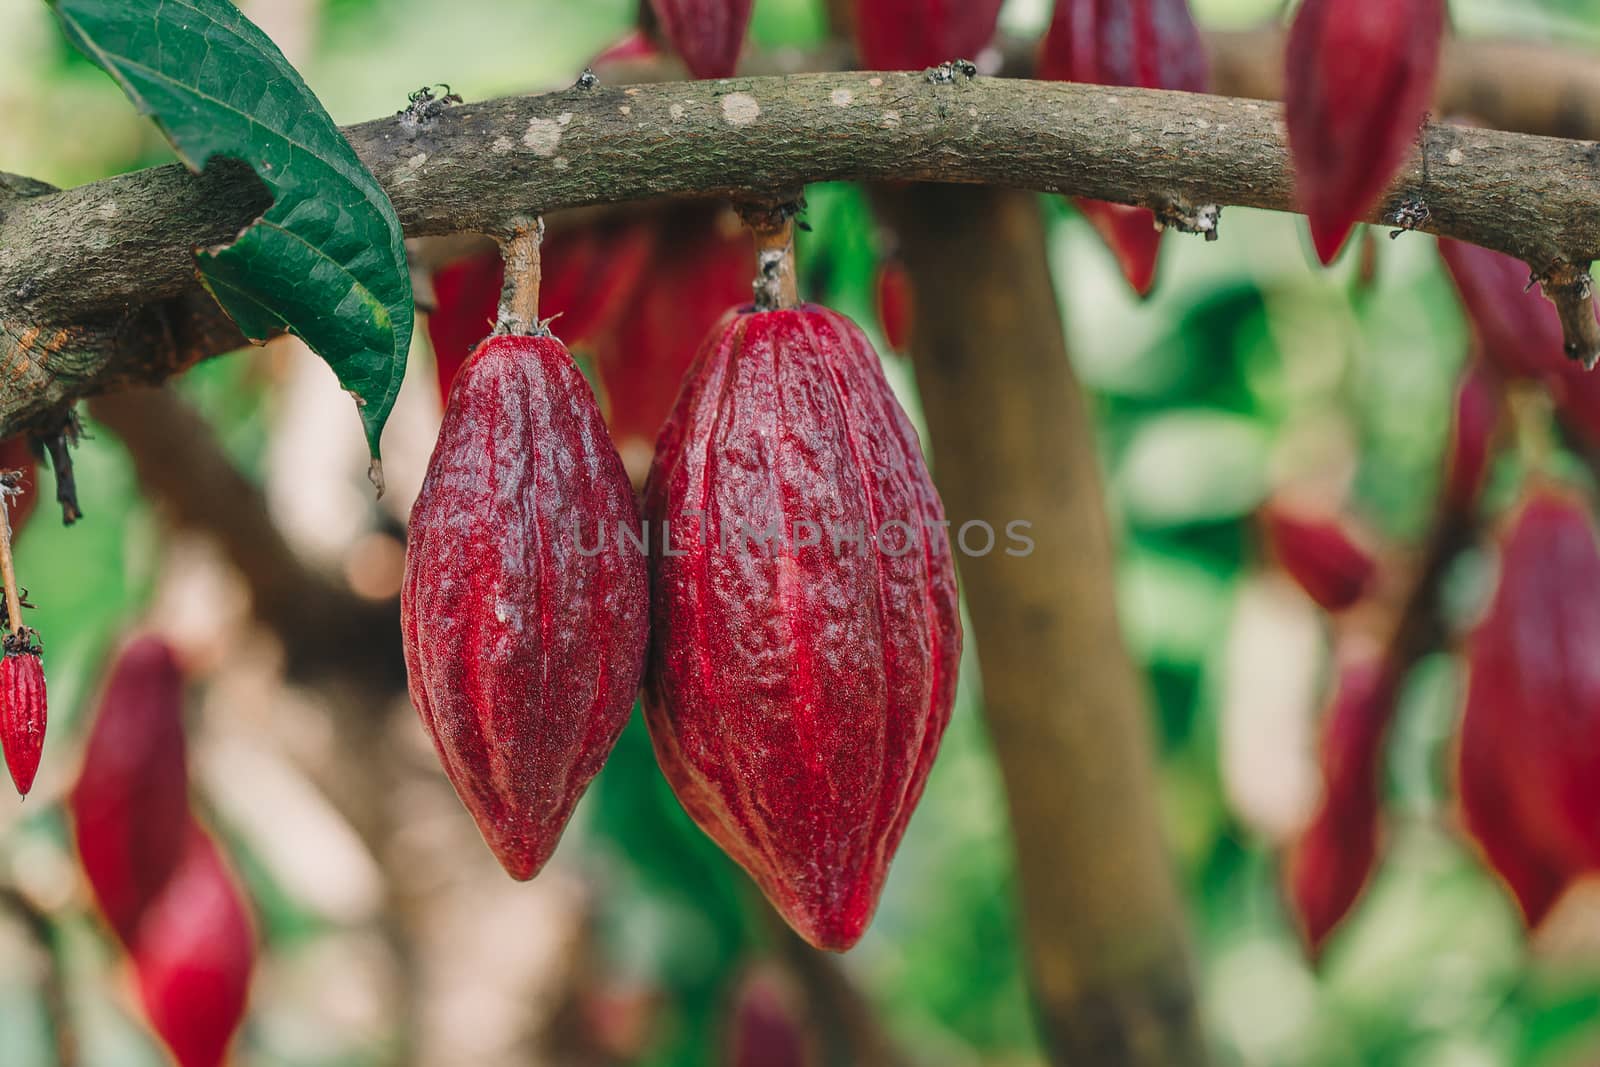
[707, 34]
[589, 274]
[1147, 44]
[16, 454]
[193, 955]
[1360, 76]
[799, 683]
[1472, 433]
[767, 1025]
[896, 304]
[913, 34]
[702, 265]
[1323, 559]
[1516, 327]
[1529, 766]
[631, 47]
[524, 610]
[130, 804]
[23, 714]
[1333, 859]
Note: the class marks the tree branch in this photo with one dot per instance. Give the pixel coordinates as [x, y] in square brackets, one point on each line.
[87, 275]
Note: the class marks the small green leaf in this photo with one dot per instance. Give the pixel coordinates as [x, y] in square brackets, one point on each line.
[327, 261]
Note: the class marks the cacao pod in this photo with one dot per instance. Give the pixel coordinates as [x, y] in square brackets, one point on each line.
[524, 609]
[1472, 435]
[700, 269]
[1360, 78]
[799, 685]
[912, 34]
[1520, 332]
[193, 955]
[767, 1026]
[589, 274]
[1147, 44]
[130, 804]
[22, 712]
[1330, 864]
[896, 304]
[1320, 556]
[707, 34]
[1529, 763]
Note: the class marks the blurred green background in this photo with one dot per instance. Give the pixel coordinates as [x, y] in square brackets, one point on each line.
[1248, 371]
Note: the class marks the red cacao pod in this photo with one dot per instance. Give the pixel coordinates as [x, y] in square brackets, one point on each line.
[767, 1026]
[130, 804]
[524, 610]
[1530, 737]
[1360, 78]
[912, 34]
[896, 304]
[22, 713]
[589, 274]
[701, 267]
[1148, 44]
[799, 685]
[16, 454]
[707, 34]
[193, 955]
[1472, 435]
[1320, 556]
[1330, 864]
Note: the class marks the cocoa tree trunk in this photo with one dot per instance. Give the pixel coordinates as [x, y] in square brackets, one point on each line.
[1011, 440]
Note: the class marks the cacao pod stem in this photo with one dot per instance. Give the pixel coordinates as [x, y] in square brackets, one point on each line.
[519, 300]
[776, 287]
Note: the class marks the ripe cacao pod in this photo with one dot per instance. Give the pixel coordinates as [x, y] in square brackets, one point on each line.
[1320, 556]
[524, 610]
[1147, 44]
[1360, 78]
[1520, 332]
[707, 34]
[1330, 864]
[700, 269]
[912, 34]
[801, 679]
[22, 711]
[896, 304]
[1472, 435]
[590, 273]
[193, 955]
[1529, 762]
[130, 804]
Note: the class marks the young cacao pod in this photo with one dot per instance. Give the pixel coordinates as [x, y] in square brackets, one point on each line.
[130, 804]
[1360, 78]
[896, 304]
[524, 609]
[768, 1024]
[1529, 763]
[193, 955]
[1320, 556]
[707, 34]
[1330, 864]
[1472, 435]
[700, 269]
[1147, 44]
[912, 34]
[804, 607]
[589, 274]
[22, 711]
[1519, 331]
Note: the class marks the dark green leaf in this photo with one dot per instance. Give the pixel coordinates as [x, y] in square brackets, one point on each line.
[327, 261]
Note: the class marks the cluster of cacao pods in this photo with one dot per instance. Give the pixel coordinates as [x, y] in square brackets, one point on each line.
[158, 877]
[796, 691]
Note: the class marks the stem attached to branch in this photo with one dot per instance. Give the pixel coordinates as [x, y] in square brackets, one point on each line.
[776, 287]
[8, 569]
[519, 299]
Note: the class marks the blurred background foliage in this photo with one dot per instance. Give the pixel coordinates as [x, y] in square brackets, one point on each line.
[1248, 372]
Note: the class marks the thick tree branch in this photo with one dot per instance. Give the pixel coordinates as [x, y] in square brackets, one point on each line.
[87, 275]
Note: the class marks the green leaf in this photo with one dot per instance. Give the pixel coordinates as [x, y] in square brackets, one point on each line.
[327, 261]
